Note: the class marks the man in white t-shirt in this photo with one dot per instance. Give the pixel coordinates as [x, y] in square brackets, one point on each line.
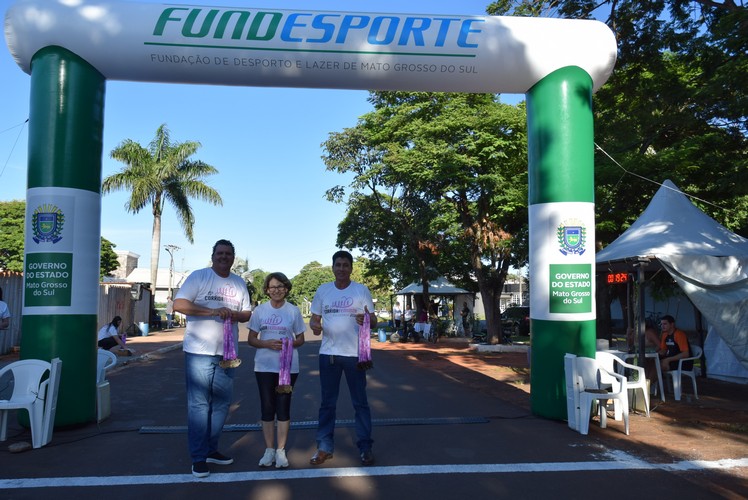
[337, 312]
[397, 315]
[208, 297]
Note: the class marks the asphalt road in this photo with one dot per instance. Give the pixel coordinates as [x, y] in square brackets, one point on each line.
[435, 437]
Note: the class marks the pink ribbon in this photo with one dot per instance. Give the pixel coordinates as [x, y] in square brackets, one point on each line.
[364, 344]
[284, 374]
[229, 348]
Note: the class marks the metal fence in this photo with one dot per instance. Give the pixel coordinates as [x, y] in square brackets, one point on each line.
[115, 299]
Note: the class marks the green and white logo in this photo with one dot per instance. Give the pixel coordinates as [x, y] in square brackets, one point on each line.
[47, 223]
[572, 236]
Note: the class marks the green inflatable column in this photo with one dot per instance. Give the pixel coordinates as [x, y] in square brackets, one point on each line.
[562, 232]
[63, 226]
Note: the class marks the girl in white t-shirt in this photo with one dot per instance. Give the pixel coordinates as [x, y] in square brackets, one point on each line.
[269, 324]
[109, 335]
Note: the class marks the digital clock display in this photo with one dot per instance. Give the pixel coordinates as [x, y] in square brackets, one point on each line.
[617, 278]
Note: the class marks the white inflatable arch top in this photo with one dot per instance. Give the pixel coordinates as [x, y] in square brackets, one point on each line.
[304, 48]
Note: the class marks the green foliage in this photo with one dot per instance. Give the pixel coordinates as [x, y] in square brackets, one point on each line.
[674, 108]
[250, 277]
[439, 188]
[256, 283]
[381, 289]
[305, 283]
[12, 219]
[109, 260]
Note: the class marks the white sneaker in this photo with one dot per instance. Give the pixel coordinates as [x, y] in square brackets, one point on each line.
[280, 458]
[268, 458]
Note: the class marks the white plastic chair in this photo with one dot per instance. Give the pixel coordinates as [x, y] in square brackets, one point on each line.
[677, 374]
[613, 363]
[30, 393]
[50, 403]
[105, 362]
[592, 390]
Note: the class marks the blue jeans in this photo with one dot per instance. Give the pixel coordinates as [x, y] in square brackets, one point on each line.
[209, 393]
[331, 369]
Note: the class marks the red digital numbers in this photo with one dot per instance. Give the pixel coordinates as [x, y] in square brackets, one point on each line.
[617, 278]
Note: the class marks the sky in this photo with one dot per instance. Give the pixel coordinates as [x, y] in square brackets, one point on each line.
[265, 142]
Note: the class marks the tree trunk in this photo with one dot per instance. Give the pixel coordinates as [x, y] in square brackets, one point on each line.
[155, 246]
[493, 313]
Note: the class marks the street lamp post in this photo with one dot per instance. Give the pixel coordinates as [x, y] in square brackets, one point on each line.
[171, 249]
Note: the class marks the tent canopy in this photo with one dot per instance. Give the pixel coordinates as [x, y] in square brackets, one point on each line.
[672, 225]
[439, 286]
[708, 261]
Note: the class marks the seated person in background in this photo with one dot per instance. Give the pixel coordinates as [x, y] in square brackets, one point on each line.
[109, 335]
[155, 320]
[651, 338]
[673, 346]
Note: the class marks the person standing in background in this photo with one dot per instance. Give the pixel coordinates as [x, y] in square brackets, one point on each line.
[169, 312]
[208, 298]
[397, 315]
[338, 310]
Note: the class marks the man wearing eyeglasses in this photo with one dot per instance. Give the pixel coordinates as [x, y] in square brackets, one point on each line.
[338, 310]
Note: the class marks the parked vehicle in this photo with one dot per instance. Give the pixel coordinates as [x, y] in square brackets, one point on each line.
[515, 321]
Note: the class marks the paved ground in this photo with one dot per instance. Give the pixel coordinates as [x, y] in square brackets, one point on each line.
[449, 423]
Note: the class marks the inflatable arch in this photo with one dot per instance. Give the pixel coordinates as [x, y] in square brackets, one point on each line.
[70, 49]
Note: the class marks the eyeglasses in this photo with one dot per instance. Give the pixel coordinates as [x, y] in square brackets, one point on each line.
[276, 288]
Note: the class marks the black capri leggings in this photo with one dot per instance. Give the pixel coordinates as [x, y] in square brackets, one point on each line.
[272, 404]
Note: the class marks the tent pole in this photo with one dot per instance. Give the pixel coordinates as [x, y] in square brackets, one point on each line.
[640, 326]
[700, 329]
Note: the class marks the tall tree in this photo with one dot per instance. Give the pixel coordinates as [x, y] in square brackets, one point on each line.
[163, 172]
[12, 219]
[388, 220]
[256, 285]
[675, 106]
[381, 289]
[305, 284]
[108, 258]
[452, 166]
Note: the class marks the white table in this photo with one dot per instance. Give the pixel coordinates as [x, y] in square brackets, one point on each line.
[625, 356]
[656, 357]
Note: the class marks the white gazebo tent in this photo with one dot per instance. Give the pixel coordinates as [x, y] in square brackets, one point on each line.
[440, 287]
[709, 263]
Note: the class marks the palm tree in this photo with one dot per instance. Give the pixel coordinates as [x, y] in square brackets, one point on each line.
[160, 173]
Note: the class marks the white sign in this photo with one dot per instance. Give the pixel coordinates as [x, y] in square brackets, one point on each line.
[562, 261]
[61, 268]
[302, 48]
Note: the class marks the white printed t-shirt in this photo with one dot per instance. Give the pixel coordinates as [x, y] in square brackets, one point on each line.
[275, 324]
[338, 309]
[108, 330]
[204, 334]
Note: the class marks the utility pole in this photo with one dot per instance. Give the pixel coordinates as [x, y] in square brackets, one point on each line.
[171, 249]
